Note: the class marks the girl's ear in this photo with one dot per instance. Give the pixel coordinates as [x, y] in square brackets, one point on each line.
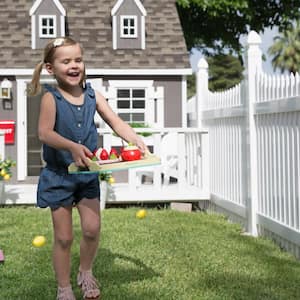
[49, 68]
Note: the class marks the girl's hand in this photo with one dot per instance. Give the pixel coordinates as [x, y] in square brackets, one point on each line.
[81, 155]
[141, 145]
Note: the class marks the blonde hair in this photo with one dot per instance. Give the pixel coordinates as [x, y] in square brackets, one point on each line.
[49, 51]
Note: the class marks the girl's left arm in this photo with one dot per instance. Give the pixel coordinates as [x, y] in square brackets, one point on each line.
[121, 128]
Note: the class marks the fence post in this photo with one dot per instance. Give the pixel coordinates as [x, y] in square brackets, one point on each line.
[201, 88]
[253, 66]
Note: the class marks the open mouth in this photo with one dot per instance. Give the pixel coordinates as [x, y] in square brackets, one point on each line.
[73, 74]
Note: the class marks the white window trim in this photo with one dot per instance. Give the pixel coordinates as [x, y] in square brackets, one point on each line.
[132, 84]
[128, 36]
[41, 35]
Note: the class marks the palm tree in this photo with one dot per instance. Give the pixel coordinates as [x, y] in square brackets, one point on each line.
[286, 50]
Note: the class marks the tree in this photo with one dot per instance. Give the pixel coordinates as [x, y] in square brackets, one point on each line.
[191, 85]
[225, 71]
[215, 26]
[286, 50]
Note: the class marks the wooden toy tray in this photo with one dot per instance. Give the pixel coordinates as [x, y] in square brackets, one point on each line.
[97, 167]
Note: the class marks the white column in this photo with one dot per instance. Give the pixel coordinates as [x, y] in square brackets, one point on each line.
[21, 130]
[2, 145]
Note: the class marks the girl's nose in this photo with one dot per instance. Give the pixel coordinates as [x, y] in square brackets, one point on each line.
[74, 64]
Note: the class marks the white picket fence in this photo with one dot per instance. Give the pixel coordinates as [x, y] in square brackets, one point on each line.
[254, 146]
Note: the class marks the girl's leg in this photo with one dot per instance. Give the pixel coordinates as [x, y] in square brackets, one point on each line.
[63, 238]
[89, 211]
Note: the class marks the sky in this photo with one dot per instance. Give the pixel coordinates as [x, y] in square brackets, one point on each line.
[267, 41]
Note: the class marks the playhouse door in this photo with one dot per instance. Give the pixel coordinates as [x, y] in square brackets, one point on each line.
[34, 162]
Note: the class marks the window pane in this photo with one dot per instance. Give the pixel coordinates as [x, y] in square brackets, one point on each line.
[44, 22]
[132, 22]
[51, 31]
[51, 22]
[138, 93]
[138, 104]
[123, 93]
[138, 117]
[125, 22]
[123, 104]
[125, 117]
[44, 31]
[132, 31]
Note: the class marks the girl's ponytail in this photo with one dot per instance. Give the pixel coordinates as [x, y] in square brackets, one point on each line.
[35, 86]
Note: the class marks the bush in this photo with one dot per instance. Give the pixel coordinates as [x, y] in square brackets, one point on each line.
[5, 168]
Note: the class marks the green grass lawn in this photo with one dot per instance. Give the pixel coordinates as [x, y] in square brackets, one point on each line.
[167, 255]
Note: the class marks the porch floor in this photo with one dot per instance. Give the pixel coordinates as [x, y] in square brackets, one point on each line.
[146, 193]
[120, 193]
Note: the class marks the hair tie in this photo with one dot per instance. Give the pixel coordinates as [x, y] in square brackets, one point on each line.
[58, 42]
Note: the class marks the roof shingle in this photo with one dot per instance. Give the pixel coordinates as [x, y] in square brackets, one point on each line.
[90, 24]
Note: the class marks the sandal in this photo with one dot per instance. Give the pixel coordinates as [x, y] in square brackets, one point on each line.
[65, 293]
[88, 284]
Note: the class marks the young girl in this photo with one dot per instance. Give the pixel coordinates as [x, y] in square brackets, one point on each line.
[67, 130]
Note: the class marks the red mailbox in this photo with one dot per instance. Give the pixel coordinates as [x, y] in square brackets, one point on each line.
[8, 126]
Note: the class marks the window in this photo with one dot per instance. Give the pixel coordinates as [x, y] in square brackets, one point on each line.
[47, 26]
[131, 104]
[128, 26]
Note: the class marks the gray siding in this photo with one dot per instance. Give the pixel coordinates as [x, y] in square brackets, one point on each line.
[172, 104]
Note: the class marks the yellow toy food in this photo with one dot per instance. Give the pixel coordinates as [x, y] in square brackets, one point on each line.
[39, 241]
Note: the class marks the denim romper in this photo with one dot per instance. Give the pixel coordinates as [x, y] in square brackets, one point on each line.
[56, 187]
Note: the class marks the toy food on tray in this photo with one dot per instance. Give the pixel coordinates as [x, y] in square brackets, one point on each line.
[102, 161]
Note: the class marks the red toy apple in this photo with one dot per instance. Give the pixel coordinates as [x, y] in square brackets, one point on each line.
[131, 152]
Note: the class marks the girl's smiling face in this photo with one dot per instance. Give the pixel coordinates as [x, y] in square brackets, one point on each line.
[67, 65]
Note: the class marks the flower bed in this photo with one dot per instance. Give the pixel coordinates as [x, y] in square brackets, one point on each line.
[5, 168]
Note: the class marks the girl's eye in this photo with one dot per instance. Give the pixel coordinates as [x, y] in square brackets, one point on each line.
[78, 60]
[66, 61]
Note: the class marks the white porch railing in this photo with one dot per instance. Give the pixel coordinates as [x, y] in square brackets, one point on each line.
[191, 170]
[255, 149]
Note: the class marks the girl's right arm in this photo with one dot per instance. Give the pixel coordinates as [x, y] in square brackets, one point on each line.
[48, 136]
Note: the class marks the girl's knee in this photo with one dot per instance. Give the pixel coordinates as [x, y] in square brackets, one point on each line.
[91, 232]
[64, 243]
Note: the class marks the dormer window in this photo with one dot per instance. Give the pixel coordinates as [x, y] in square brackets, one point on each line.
[47, 26]
[47, 22]
[128, 26]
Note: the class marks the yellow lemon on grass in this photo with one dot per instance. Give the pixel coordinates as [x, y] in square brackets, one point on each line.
[111, 180]
[39, 241]
[141, 214]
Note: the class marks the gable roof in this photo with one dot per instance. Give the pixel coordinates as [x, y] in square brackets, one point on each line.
[120, 2]
[37, 3]
[89, 22]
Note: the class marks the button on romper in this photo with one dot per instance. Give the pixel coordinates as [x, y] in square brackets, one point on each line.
[56, 187]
